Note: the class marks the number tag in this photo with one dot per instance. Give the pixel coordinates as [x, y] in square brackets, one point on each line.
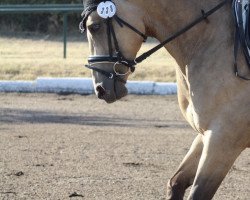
[106, 9]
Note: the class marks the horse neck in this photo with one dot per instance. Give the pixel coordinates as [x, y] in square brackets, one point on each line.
[165, 17]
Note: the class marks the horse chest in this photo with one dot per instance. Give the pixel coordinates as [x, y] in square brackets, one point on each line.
[197, 120]
[215, 109]
[196, 108]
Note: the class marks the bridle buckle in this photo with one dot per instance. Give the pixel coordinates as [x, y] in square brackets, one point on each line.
[111, 76]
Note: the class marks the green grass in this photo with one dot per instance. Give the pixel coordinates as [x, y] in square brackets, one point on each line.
[27, 59]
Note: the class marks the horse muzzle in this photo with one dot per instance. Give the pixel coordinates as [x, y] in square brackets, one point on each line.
[111, 92]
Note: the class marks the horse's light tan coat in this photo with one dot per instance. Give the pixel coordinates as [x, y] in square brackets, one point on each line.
[211, 98]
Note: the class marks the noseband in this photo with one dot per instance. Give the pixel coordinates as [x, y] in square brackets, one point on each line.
[119, 58]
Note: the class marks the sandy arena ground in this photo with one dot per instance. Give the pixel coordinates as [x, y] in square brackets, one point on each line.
[77, 147]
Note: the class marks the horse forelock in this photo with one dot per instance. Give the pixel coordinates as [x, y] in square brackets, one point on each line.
[89, 7]
[90, 3]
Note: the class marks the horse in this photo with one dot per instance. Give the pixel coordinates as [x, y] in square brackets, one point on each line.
[213, 99]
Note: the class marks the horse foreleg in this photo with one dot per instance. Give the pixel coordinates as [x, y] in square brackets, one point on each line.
[218, 155]
[185, 174]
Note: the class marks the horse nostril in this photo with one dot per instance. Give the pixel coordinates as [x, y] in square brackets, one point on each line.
[100, 91]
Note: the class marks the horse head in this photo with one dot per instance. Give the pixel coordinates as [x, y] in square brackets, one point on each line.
[113, 44]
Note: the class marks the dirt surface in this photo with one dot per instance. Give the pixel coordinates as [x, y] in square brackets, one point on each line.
[77, 147]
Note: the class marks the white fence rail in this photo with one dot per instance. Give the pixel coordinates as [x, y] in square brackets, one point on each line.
[83, 86]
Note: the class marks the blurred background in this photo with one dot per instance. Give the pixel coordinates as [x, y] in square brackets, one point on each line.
[39, 22]
[32, 45]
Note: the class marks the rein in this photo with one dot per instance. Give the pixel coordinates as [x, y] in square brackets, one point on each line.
[204, 16]
[118, 58]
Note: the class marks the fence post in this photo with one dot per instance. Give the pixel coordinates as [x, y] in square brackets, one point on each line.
[65, 28]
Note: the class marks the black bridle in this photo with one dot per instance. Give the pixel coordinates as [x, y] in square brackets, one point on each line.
[119, 57]
[113, 58]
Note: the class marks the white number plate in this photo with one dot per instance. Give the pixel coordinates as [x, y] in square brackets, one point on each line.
[106, 9]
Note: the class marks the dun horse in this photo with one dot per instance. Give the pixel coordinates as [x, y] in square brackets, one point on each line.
[211, 97]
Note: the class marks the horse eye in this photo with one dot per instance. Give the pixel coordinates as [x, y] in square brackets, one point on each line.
[94, 27]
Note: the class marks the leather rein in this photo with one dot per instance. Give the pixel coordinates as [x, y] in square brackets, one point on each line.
[119, 58]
